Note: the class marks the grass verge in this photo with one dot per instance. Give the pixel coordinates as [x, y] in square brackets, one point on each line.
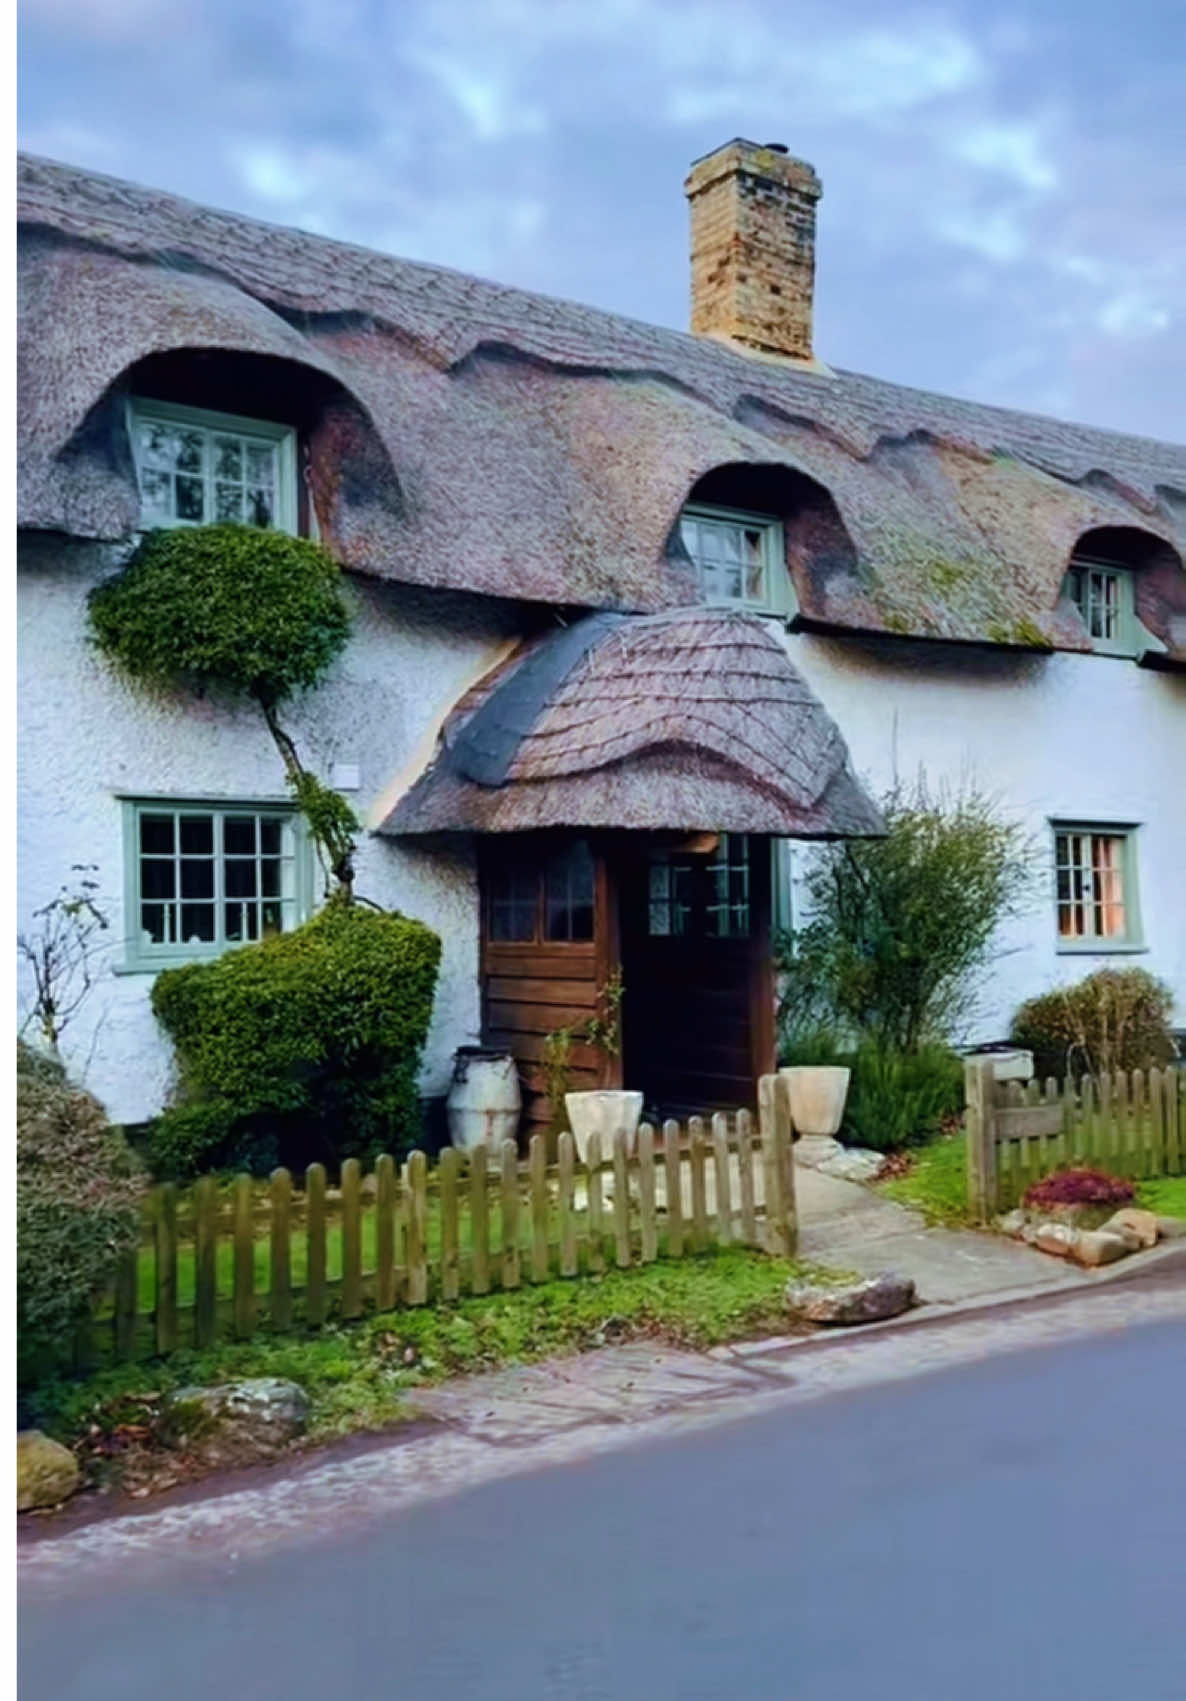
[936, 1183]
[358, 1375]
[1166, 1195]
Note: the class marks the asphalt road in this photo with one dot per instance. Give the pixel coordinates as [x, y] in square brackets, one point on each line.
[1013, 1528]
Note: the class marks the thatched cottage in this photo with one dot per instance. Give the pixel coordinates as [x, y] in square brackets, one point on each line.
[637, 613]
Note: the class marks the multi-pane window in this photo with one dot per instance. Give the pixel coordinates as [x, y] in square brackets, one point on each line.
[1103, 594]
[203, 879]
[1095, 877]
[697, 896]
[197, 468]
[738, 557]
[547, 899]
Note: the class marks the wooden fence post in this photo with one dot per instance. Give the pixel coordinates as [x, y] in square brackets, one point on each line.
[280, 1262]
[166, 1268]
[980, 1085]
[315, 1245]
[774, 1124]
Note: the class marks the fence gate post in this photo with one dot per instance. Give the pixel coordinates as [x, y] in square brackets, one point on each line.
[980, 1088]
[774, 1122]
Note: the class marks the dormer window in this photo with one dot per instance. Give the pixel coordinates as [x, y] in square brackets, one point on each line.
[738, 557]
[197, 468]
[1103, 594]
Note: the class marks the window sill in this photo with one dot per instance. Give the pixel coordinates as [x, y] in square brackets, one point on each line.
[1100, 948]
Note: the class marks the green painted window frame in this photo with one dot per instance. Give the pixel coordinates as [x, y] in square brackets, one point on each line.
[1126, 833]
[141, 957]
[779, 597]
[282, 438]
[1129, 637]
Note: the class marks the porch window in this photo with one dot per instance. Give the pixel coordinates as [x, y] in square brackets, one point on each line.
[548, 900]
[738, 558]
[1096, 894]
[701, 896]
[1103, 594]
[201, 879]
[199, 468]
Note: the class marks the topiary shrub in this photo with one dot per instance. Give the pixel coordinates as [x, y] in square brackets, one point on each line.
[303, 1047]
[78, 1189]
[1113, 1019]
[1079, 1187]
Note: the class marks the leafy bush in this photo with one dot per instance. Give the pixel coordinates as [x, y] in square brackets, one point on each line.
[224, 607]
[899, 927]
[305, 1046]
[78, 1190]
[895, 1098]
[1078, 1187]
[1112, 1019]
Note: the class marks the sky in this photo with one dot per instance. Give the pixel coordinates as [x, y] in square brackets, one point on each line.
[1004, 211]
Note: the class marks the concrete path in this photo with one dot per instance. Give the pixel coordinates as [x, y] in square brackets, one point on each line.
[855, 1228]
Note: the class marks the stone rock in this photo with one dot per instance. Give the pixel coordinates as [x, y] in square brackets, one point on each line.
[866, 1301]
[1059, 1239]
[854, 1163]
[1097, 1246]
[812, 1150]
[1013, 1222]
[1171, 1228]
[1143, 1224]
[46, 1472]
[265, 1411]
[1078, 1216]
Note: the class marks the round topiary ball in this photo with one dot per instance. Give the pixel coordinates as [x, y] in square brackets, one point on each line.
[223, 607]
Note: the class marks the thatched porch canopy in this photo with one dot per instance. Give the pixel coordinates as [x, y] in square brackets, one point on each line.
[691, 720]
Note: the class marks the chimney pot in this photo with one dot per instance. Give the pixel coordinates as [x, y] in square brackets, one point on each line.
[753, 247]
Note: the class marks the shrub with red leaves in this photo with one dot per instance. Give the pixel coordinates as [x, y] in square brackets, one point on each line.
[1079, 1187]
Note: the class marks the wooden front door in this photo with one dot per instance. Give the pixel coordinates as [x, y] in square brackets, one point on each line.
[698, 1010]
[548, 951]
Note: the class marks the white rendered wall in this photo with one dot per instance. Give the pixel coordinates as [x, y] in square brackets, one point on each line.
[85, 739]
[1084, 738]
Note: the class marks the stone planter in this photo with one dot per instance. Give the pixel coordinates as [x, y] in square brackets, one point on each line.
[603, 1111]
[817, 1093]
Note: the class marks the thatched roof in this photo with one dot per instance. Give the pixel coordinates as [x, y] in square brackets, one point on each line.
[484, 438]
[689, 720]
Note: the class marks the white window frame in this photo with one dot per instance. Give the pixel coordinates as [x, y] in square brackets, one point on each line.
[143, 955]
[280, 437]
[779, 594]
[1126, 834]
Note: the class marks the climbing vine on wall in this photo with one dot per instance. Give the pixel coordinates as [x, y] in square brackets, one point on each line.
[235, 611]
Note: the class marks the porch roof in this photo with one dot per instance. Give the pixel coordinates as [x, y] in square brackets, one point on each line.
[690, 720]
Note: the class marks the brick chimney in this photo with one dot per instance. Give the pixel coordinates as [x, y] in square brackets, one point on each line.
[753, 247]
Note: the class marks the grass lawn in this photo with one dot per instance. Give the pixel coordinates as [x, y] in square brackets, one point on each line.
[1166, 1195]
[358, 1375]
[937, 1184]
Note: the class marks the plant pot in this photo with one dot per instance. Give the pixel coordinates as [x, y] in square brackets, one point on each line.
[817, 1093]
[603, 1111]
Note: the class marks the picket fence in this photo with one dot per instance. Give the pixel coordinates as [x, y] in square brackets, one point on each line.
[219, 1261]
[1129, 1124]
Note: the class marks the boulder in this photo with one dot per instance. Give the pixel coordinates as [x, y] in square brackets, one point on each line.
[46, 1472]
[1171, 1228]
[1059, 1239]
[262, 1411]
[1013, 1222]
[1143, 1224]
[866, 1301]
[853, 1163]
[1097, 1246]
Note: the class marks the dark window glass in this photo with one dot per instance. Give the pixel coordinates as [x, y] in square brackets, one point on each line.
[156, 835]
[238, 835]
[514, 894]
[197, 835]
[569, 894]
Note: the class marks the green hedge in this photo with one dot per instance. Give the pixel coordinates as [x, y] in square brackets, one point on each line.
[303, 1047]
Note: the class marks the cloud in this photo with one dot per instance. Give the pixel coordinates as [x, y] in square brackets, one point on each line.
[1011, 150]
